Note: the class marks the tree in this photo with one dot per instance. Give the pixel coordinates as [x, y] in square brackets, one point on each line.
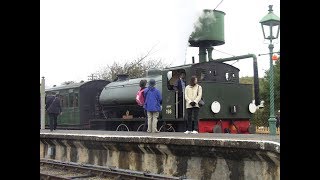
[249, 80]
[265, 92]
[262, 115]
[135, 68]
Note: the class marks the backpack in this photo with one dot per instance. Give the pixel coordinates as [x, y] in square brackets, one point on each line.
[140, 98]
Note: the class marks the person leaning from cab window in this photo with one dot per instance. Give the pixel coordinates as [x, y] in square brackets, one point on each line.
[193, 94]
[53, 109]
[152, 104]
[179, 86]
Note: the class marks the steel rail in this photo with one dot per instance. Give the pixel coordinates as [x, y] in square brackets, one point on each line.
[104, 171]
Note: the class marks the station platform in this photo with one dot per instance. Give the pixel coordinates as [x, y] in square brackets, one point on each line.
[252, 141]
[195, 156]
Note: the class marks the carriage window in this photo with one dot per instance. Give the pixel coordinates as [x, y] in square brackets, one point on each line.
[64, 100]
[75, 102]
[71, 98]
[61, 100]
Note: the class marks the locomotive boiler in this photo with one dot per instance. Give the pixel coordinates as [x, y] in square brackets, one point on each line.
[118, 103]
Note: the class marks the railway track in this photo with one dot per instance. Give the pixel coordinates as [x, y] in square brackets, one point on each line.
[57, 170]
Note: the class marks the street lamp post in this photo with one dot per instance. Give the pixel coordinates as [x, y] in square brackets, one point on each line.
[270, 23]
[42, 96]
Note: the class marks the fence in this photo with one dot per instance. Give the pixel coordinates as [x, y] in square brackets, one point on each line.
[265, 130]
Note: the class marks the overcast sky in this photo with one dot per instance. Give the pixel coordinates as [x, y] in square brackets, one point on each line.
[80, 37]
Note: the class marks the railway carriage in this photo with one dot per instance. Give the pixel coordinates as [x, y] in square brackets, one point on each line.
[78, 102]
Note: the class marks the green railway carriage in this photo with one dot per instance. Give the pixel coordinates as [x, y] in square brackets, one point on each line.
[78, 102]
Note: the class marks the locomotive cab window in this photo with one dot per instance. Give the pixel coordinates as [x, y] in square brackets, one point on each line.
[201, 74]
[230, 76]
[169, 77]
[173, 76]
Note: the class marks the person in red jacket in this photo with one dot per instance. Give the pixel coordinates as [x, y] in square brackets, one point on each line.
[140, 101]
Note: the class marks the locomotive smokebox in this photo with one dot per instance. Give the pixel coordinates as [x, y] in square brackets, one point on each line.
[208, 31]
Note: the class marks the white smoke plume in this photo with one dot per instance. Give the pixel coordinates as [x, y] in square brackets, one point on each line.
[206, 19]
[191, 17]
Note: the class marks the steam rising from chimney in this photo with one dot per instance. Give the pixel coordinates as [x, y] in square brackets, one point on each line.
[203, 22]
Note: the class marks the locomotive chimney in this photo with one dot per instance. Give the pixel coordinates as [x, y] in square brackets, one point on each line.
[209, 49]
[202, 54]
[153, 72]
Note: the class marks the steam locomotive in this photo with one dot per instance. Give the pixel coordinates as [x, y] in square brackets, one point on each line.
[106, 105]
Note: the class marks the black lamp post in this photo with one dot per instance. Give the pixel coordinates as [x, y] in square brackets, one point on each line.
[271, 24]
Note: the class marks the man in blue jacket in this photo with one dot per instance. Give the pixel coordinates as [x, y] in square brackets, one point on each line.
[53, 109]
[152, 105]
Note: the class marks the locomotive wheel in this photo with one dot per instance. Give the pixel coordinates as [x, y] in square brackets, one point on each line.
[252, 129]
[167, 128]
[122, 127]
[217, 129]
[140, 128]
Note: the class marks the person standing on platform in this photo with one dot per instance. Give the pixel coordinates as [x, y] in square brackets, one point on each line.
[193, 96]
[152, 104]
[140, 99]
[53, 109]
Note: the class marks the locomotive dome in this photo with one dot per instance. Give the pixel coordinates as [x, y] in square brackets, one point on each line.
[153, 72]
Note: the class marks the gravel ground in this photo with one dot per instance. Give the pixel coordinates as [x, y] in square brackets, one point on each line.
[65, 173]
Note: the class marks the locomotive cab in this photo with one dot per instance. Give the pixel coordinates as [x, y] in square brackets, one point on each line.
[227, 101]
[170, 100]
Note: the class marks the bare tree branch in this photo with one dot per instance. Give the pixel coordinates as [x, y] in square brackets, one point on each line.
[135, 68]
[139, 60]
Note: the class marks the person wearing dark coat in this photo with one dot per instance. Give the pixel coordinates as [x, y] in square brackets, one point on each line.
[53, 109]
[180, 86]
[152, 105]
